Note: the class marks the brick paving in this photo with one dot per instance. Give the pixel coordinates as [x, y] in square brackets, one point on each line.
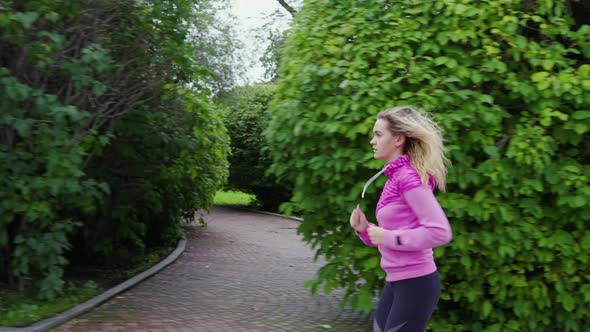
[244, 271]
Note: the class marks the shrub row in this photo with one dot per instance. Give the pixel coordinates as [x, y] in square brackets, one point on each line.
[509, 82]
[103, 145]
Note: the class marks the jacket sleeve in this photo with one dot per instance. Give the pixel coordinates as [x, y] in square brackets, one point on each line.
[434, 229]
[364, 235]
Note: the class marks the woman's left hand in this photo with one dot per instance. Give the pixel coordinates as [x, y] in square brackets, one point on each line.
[376, 234]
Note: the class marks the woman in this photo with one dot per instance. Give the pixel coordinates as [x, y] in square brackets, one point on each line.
[411, 222]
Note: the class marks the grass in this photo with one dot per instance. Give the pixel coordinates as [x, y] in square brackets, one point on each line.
[234, 198]
[84, 282]
[19, 310]
[238, 198]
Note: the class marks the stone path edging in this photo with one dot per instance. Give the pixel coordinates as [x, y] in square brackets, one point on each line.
[65, 316]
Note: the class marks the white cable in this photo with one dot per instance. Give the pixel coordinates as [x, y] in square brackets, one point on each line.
[371, 181]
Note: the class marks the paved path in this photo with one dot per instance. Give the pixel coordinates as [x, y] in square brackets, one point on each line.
[243, 272]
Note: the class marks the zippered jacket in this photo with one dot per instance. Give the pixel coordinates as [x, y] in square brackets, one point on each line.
[413, 220]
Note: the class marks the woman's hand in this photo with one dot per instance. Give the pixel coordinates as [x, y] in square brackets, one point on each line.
[358, 220]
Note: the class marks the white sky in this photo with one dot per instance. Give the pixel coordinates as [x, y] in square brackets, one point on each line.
[252, 15]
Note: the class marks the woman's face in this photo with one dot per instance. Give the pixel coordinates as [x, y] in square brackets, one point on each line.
[386, 146]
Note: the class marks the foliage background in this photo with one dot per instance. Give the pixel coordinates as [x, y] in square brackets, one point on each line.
[509, 83]
[107, 139]
[245, 114]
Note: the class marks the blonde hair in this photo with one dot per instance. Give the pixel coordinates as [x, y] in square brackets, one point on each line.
[424, 143]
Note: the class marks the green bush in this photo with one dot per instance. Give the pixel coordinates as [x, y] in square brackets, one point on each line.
[40, 174]
[161, 167]
[168, 156]
[100, 130]
[245, 113]
[41, 143]
[509, 83]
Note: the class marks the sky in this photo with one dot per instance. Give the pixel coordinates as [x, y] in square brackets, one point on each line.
[251, 16]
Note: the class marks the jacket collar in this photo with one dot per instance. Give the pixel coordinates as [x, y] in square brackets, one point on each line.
[399, 162]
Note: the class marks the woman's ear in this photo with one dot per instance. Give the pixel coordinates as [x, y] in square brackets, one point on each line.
[400, 140]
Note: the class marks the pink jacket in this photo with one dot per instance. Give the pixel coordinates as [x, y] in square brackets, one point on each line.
[413, 220]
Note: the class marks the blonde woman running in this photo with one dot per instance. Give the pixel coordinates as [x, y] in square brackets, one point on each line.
[410, 219]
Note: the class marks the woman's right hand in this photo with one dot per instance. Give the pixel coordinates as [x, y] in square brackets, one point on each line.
[358, 220]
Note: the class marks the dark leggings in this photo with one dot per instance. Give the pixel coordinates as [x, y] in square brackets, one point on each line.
[406, 305]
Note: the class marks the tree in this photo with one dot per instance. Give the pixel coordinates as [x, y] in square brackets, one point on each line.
[508, 81]
[287, 7]
[272, 56]
[105, 131]
[215, 44]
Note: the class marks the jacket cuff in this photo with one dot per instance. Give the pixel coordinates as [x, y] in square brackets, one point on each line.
[364, 235]
[392, 239]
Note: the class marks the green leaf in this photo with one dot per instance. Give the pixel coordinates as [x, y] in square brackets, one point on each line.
[466, 262]
[441, 60]
[548, 65]
[99, 89]
[486, 308]
[585, 291]
[52, 16]
[580, 115]
[371, 263]
[584, 70]
[26, 18]
[568, 302]
[406, 95]
[580, 128]
[539, 76]
[578, 201]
